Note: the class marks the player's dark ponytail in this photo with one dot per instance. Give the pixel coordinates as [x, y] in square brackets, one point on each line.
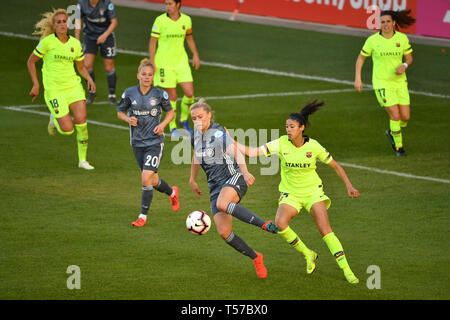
[309, 109]
[402, 18]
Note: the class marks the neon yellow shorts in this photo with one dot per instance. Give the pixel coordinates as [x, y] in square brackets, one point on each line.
[388, 97]
[169, 78]
[299, 202]
[58, 101]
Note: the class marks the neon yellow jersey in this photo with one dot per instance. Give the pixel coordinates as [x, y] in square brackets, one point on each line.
[171, 34]
[58, 71]
[387, 55]
[298, 165]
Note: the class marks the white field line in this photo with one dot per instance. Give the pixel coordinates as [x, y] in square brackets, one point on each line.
[350, 165]
[405, 175]
[250, 69]
[244, 96]
[47, 114]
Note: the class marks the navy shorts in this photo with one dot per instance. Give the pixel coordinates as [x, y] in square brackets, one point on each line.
[107, 48]
[237, 182]
[149, 158]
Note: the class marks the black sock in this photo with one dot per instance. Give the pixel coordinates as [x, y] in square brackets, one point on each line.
[147, 196]
[164, 187]
[112, 79]
[244, 214]
[240, 245]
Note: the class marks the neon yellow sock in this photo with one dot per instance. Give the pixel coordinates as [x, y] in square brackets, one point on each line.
[403, 124]
[293, 240]
[337, 251]
[173, 123]
[82, 140]
[185, 104]
[396, 132]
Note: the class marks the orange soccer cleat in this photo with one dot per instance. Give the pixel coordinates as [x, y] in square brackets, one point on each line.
[174, 200]
[261, 270]
[139, 223]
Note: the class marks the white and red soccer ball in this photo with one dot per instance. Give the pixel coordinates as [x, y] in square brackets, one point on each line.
[198, 222]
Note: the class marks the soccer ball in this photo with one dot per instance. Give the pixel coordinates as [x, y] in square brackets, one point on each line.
[198, 222]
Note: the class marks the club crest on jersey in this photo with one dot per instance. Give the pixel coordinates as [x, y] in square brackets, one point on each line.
[309, 154]
[100, 11]
[153, 102]
[398, 44]
[184, 27]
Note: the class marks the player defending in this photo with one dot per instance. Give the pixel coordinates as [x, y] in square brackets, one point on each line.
[387, 49]
[168, 55]
[301, 187]
[100, 21]
[141, 107]
[63, 91]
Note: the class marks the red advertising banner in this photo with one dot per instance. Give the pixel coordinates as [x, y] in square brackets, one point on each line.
[433, 16]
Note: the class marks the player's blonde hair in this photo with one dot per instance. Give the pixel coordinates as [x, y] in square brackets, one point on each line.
[146, 62]
[44, 27]
[201, 103]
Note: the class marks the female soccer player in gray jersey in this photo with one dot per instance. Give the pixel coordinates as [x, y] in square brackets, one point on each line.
[141, 106]
[100, 20]
[228, 179]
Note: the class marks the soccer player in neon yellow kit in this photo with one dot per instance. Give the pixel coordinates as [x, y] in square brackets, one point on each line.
[387, 49]
[301, 187]
[168, 55]
[63, 90]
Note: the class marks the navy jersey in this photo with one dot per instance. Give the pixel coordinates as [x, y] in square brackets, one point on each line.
[96, 19]
[210, 151]
[147, 109]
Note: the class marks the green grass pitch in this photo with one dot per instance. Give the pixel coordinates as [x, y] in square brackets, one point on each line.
[54, 215]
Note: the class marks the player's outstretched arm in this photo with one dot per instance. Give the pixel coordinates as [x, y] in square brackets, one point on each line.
[240, 160]
[248, 151]
[351, 191]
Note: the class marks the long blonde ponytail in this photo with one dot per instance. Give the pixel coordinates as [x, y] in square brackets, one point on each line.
[44, 27]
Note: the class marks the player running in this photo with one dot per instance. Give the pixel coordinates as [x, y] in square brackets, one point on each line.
[141, 107]
[168, 55]
[387, 49]
[100, 21]
[301, 187]
[228, 179]
[63, 91]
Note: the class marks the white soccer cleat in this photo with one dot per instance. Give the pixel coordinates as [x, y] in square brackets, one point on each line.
[85, 165]
[51, 126]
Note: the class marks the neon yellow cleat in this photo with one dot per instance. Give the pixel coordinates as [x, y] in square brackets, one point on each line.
[351, 278]
[311, 262]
